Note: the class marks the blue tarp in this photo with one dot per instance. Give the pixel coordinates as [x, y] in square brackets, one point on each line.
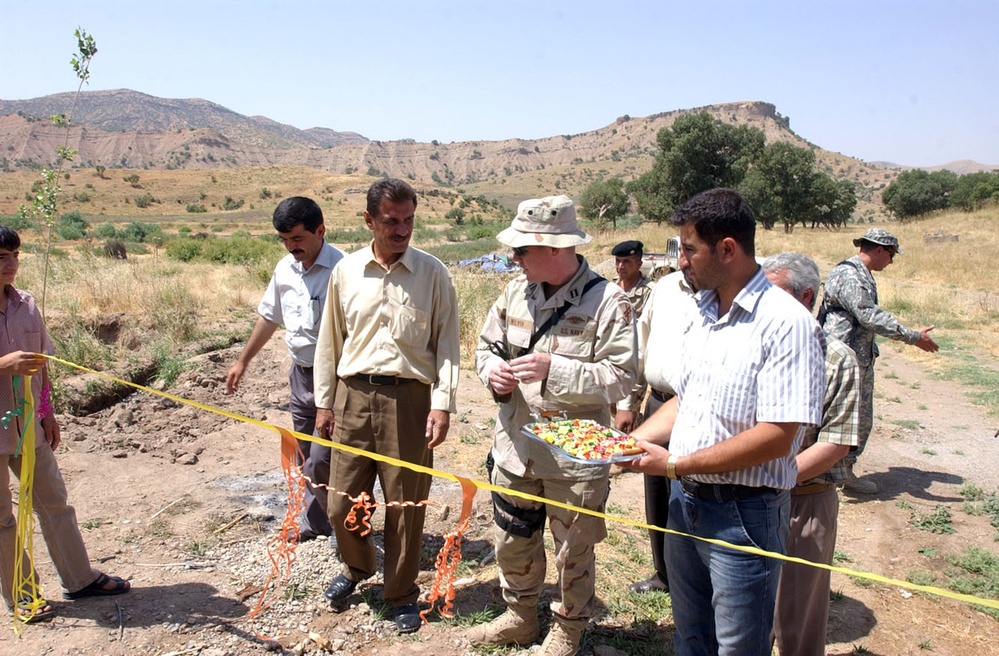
[492, 263]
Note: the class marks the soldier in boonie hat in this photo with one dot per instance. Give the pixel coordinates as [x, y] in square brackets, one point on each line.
[881, 237]
[549, 221]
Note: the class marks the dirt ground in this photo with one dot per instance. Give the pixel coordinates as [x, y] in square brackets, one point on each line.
[182, 502]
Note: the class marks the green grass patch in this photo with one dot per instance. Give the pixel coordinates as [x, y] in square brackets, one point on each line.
[910, 424]
[938, 521]
[964, 365]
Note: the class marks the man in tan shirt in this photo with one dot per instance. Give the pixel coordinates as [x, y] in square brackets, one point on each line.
[386, 375]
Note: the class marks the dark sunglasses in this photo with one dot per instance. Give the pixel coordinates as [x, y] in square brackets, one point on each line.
[520, 251]
[891, 253]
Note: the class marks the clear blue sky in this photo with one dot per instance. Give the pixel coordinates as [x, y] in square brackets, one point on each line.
[910, 81]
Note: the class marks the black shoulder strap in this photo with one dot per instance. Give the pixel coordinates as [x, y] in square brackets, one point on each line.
[559, 313]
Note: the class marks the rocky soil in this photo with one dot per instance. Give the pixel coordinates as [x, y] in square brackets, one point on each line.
[183, 502]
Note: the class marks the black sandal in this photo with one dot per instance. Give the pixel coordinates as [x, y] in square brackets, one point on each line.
[99, 588]
[24, 612]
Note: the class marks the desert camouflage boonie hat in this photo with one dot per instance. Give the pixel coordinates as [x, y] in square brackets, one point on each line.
[549, 221]
[881, 237]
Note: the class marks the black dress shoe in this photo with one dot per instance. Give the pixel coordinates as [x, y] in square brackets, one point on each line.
[651, 584]
[407, 618]
[340, 588]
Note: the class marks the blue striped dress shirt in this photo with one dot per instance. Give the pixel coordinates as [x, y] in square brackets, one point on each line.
[761, 362]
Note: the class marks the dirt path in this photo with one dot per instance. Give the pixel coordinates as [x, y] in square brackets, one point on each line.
[155, 485]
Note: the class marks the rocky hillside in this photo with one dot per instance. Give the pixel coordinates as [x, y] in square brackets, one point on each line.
[129, 130]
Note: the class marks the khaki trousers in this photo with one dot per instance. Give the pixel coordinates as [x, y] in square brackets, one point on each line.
[522, 561]
[803, 592]
[390, 420]
[56, 518]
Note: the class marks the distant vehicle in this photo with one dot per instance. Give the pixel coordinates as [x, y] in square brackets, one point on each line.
[657, 265]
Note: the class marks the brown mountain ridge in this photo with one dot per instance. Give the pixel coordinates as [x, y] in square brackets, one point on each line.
[130, 130]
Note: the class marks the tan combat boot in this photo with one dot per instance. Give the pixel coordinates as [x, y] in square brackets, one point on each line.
[518, 625]
[562, 639]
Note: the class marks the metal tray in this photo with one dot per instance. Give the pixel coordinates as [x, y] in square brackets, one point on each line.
[527, 430]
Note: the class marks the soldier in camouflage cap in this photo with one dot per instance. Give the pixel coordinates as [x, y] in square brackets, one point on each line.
[851, 314]
[881, 237]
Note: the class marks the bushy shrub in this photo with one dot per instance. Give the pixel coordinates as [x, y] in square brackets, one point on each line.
[196, 208]
[16, 222]
[184, 250]
[145, 200]
[142, 233]
[236, 250]
[106, 231]
[72, 226]
[230, 204]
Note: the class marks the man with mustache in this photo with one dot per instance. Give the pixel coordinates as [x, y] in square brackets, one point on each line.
[386, 382]
[294, 299]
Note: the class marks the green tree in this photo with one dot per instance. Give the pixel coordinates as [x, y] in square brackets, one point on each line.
[832, 201]
[455, 215]
[604, 201]
[44, 202]
[779, 185]
[696, 153]
[916, 192]
[974, 190]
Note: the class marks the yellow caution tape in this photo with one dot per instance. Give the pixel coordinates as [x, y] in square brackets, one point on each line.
[940, 592]
[27, 595]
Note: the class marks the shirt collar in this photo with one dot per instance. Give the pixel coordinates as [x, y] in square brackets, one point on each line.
[571, 292]
[407, 260]
[746, 300]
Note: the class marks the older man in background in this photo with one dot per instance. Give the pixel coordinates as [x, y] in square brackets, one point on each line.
[802, 611]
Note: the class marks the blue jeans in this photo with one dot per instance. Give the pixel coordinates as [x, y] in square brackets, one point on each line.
[723, 599]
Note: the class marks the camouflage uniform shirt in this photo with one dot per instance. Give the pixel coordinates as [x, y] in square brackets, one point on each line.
[851, 314]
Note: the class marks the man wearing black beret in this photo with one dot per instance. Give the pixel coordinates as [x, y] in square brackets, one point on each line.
[628, 264]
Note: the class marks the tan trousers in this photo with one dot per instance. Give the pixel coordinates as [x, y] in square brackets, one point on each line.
[802, 611]
[522, 561]
[56, 518]
[390, 420]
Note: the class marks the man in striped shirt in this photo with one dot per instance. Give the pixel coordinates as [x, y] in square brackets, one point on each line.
[751, 377]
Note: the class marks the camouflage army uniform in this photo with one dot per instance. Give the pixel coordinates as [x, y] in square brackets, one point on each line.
[639, 294]
[851, 314]
[593, 364]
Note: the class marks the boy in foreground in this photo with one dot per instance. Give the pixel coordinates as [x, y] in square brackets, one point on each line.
[23, 339]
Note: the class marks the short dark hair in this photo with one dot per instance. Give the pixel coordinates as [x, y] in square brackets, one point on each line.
[297, 210]
[393, 190]
[717, 214]
[870, 246]
[9, 239]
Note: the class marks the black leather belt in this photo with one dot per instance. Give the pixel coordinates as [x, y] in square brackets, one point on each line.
[660, 396]
[375, 379]
[722, 492]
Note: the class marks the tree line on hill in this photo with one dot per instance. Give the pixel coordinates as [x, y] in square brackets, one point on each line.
[698, 152]
[917, 192]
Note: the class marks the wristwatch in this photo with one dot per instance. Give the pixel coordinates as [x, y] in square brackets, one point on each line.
[671, 467]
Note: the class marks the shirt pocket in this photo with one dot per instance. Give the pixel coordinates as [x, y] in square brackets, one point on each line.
[574, 336]
[733, 386]
[409, 324]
